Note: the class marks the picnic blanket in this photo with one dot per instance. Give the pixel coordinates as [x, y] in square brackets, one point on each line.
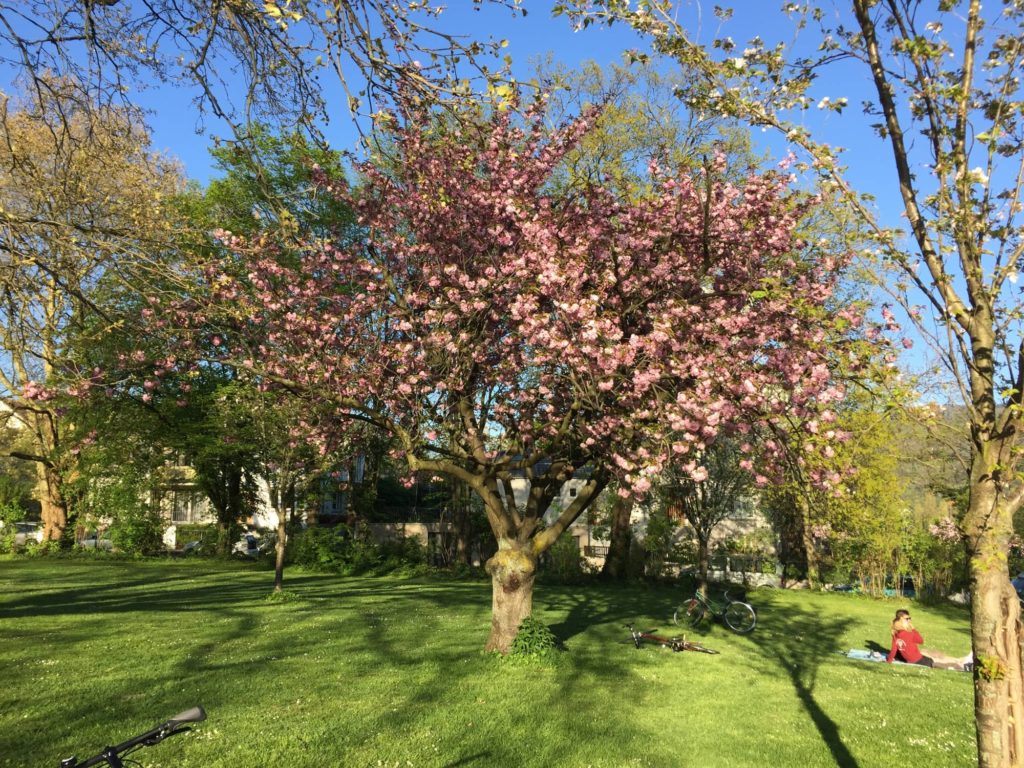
[863, 654]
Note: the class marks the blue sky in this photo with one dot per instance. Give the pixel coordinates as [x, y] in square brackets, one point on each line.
[175, 122]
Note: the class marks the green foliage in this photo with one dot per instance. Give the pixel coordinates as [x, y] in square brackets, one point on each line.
[16, 483]
[206, 534]
[534, 641]
[267, 184]
[120, 499]
[660, 543]
[335, 550]
[9, 515]
[563, 563]
[137, 530]
[990, 668]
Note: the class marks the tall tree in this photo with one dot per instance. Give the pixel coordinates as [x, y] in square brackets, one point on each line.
[538, 335]
[642, 120]
[946, 84]
[707, 503]
[64, 223]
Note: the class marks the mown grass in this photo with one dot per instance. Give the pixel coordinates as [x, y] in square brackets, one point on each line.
[390, 672]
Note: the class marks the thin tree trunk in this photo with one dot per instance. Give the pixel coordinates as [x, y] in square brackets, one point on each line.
[460, 522]
[279, 547]
[703, 562]
[806, 532]
[512, 576]
[616, 563]
[995, 627]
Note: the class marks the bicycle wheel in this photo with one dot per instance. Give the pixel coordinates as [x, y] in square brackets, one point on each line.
[740, 618]
[691, 612]
[691, 646]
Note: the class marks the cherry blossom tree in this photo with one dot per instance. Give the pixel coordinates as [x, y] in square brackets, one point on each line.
[512, 338]
[945, 102]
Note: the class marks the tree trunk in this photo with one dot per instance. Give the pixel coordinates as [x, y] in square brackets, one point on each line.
[995, 627]
[460, 522]
[279, 547]
[51, 499]
[512, 575]
[703, 562]
[807, 534]
[616, 563]
[279, 563]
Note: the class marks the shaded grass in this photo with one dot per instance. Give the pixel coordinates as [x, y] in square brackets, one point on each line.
[374, 671]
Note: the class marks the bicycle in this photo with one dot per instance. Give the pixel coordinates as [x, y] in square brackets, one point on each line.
[737, 615]
[114, 756]
[677, 644]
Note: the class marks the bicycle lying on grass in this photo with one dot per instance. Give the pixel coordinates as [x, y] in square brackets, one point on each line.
[737, 615]
[114, 756]
[675, 643]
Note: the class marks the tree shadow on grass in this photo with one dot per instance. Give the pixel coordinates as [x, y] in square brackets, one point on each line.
[798, 641]
[581, 609]
[795, 641]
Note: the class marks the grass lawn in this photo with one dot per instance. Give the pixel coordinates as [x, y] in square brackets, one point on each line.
[390, 672]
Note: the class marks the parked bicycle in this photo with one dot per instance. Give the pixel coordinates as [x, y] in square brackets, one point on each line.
[737, 615]
[675, 643]
[114, 756]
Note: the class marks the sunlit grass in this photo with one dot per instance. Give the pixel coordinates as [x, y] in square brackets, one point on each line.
[374, 672]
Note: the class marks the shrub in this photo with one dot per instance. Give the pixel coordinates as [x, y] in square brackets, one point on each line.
[137, 530]
[9, 515]
[534, 640]
[335, 550]
[206, 534]
[564, 564]
[660, 544]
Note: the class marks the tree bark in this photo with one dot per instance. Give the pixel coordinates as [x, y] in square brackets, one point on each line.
[52, 501]
[616, 563]
[512, 571]
[995, 627]
[807, 535]
[279, 548]
[703, 562]
[460, 522]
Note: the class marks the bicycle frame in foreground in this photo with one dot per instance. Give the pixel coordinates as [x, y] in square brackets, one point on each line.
[113, 756]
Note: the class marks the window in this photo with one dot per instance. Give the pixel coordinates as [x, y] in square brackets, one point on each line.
[187, 506]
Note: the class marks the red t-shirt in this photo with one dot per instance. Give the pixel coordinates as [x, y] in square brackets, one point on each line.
[909, 652]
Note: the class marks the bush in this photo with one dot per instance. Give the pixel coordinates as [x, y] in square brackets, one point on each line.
[9, 515]
[205, 534]
[335, 550]
[137, 530]
[660, 544]
[564, 564]
[534, 640]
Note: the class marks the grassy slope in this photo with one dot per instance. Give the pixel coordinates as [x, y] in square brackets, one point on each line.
[384, 672]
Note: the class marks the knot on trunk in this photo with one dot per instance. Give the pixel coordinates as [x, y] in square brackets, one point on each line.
[511, 568]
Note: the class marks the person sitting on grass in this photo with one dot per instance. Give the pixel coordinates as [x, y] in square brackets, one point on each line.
[906, 642]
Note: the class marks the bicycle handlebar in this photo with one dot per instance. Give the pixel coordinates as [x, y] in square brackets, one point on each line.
[149, 738]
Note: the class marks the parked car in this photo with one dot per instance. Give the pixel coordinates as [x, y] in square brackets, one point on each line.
[95, 540]
[26, 532]
[250, 545]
